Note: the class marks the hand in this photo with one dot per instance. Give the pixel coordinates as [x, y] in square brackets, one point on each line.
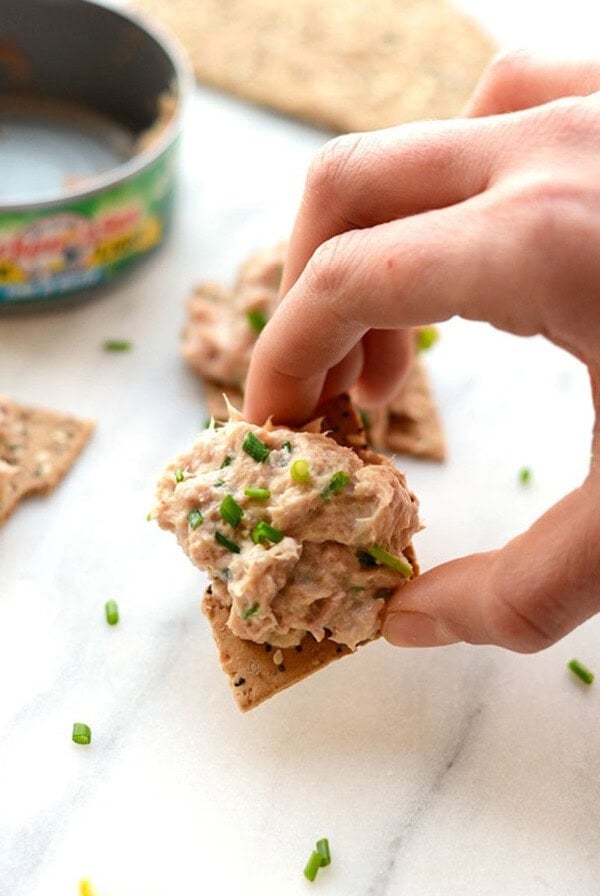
[494, 217]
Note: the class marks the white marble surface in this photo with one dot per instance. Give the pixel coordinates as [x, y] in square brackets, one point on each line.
[453, 771]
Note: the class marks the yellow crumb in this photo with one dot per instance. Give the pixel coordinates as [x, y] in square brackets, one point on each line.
[86, 888]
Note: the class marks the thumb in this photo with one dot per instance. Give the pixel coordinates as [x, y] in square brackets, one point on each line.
[525, 597]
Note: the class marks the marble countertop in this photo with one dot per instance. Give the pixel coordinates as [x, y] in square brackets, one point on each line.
[454, 771]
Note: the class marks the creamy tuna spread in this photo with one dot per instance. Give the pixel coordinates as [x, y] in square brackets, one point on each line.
[297, 533]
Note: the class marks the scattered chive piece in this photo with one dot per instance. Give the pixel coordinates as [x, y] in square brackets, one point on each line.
[287, 446]
[525, 476]
[323, 850]
[399, 564]
[337, 482]
[112, 612]
[207, 423]
[195, 518]
[581, 671]
[219, 483]
[259, 494]
[426, 338]
[365, 559]
[226, 543]
[263, 532]
[82, 733]
[149, 516]
[251, 611]
[312, 866]
[300, 471]
[231, 511]
[257, 320]
[227, 461]
[365, 419]
[253, 446]
[117, 345]
[178, 475]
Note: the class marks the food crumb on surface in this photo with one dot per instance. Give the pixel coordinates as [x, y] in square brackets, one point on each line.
[86, 888]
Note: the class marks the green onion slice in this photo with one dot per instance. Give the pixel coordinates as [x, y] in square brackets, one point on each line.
[337, 482]
[426, 338]
[231, 511]
[178, 475]
[323, 850]
[312, 866]
[253, 446]
[257, 320]
[227, 461]
[82, 733]
[117, 345]
[300, 471]
[263, 532]
[287, 446]
[226, 542]
[581, 671]
[525, 476]
[195, 518]
[259, 494]
[112, 612]
[384, 558]
[250, 611]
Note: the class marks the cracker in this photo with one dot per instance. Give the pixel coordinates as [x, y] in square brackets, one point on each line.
[38, 447]
[350, 65]
[253, 674]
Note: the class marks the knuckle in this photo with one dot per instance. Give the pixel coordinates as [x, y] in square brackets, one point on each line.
[507, 66]
[522, 617]
[325, 271]
[333, 166]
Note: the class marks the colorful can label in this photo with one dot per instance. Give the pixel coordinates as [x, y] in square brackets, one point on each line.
[49, 253]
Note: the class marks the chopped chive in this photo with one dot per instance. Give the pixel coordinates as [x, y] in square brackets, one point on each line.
[365, 418]
[525, 476]
[365, 559]
[259, 494]
[323, 850]
[178, 475]
[226, 543]
[426, 338]
[312, 866]
[219, 483]
[399, 564]
[112, 612]
[82, 733]
[337, 482]
[195, 518]
[227, 461]
[257, 320]
[263, 532]
[300, 471]
[253, 446]
[287, 446]
[581, 671]
[149, 516]
[207, 423]
[117, 345]
[231, 511]
[251, 611]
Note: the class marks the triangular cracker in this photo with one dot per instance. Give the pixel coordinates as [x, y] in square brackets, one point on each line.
[37, 448]
[351, 65]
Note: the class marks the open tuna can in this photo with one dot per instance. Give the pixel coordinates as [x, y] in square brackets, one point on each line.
[90, 114]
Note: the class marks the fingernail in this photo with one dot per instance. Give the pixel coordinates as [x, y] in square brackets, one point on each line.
[411, 629]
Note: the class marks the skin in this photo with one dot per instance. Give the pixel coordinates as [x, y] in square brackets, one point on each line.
[493, 217]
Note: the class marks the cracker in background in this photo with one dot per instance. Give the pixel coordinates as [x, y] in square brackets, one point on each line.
[37, 448]
[350, 65]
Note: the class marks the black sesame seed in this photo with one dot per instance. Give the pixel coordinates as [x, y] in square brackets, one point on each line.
[281, 667]
[239, 682]
[268, 648]
[338, 649]
[209, 589]
[298, 648]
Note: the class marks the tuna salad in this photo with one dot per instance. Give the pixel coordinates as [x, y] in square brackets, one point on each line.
[297, 533]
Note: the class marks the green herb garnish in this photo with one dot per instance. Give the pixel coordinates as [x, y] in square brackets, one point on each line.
[259, 494]
[365, 418]
[323, 850]
[257, 320]
[195, 518]
[525, 476]
[426, 338]
[112, 612]
[178, 475]
[581, 671]
[227, 461]
[385, 558]
[263, 532]
[226, 543]
[300, 471]
[231, 511]
[287, 446]
[82, 733]
[117, 345]
[251, 611]
[253, 446]
[337, 482]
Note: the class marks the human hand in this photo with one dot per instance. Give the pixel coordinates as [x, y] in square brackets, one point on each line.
[493, 218]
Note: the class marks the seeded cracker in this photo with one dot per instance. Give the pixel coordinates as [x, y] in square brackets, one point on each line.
[37, 448]
[258, 671]
[351, 65]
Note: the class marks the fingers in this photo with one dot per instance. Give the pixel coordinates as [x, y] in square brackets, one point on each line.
[525, 597]
[419, 270]
[387, 357]
[361, 180]
[517, 80]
